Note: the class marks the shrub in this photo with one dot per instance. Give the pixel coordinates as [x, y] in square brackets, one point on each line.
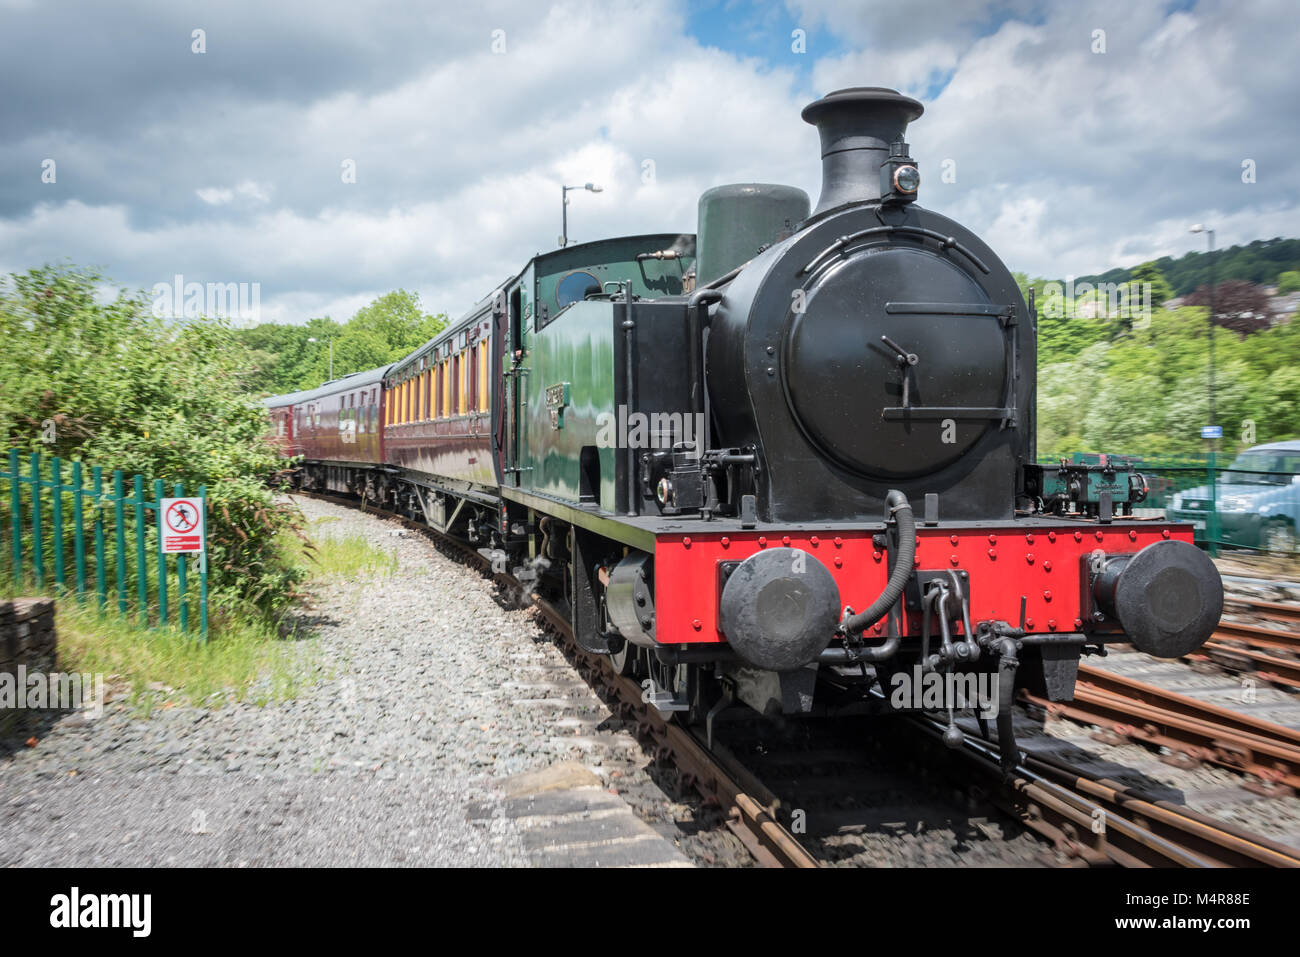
[98, 377]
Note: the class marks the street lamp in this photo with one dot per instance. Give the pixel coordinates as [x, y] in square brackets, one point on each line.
[314, 339]
[1209, 235]
[1212, 519]
[564, 208]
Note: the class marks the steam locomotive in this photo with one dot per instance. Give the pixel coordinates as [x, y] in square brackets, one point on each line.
[788, 461]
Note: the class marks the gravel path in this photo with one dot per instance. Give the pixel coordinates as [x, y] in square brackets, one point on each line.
[411, 708]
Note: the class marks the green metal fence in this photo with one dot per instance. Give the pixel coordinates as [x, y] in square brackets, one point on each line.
[1250, 501]
[60, 523]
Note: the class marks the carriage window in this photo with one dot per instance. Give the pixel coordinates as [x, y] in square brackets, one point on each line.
[575, 287]
[472, 390]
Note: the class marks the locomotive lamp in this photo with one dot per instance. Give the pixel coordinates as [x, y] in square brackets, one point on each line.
[899, 177]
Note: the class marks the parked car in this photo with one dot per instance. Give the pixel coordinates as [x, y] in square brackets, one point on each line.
[1258, 499]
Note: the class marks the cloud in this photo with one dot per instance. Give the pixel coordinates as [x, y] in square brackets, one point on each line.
[228, 166]
[214, 196]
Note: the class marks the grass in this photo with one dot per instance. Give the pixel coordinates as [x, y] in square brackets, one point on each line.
[348, 557]
[247, 657]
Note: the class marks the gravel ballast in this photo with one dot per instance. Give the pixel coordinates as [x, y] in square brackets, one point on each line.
[421, 691]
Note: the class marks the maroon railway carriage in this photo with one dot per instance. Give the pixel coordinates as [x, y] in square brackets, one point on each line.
[439, 404]
[337, 427]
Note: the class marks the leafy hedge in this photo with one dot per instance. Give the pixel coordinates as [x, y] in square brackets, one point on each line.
[89, 372]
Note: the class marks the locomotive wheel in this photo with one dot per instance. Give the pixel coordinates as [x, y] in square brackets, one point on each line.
[624, 657]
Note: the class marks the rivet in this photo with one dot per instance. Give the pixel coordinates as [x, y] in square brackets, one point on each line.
[762, 541]
[993, 539]
[771, 350]
[953, 559]
[838, 561]
[1051, 536]
[1051, 624]
[1047, 566]
[953, 539]
[771, 371]
[697, 624]
[1029, 557]
[686, 542]
[1098, 534]
[1078, 536]
[726, 542]
[785, 539]
[838, 541]
[993, 553]
[1029, 623]
[877, 628]
[1132, 535]
[814, 540]
[1164, 533]
[1029, 539]
[1047, 596]
[1078, 623]
[876, 555]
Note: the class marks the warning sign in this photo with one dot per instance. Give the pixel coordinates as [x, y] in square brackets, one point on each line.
[182, 525]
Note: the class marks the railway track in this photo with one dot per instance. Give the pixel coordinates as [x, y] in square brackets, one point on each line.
[1268, 647]
[1200, 730]
[1089, 819]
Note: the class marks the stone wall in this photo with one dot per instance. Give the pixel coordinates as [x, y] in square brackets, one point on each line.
[26, 638]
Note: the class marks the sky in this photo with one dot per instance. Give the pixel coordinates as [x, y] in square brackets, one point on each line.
[330, 152]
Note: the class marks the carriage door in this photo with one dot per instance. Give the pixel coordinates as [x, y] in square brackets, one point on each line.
[511, 375]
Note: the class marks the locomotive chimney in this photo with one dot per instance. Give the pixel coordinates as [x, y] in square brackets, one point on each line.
[857, 127]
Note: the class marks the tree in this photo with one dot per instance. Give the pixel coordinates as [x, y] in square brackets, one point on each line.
[1288, 282]
[398, 322]
[284, 357]
[1238, 305]
[384, 331]
[1161, 291]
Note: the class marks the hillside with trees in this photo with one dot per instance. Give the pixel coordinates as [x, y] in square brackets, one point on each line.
[1137, 384]
[1262, 263]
